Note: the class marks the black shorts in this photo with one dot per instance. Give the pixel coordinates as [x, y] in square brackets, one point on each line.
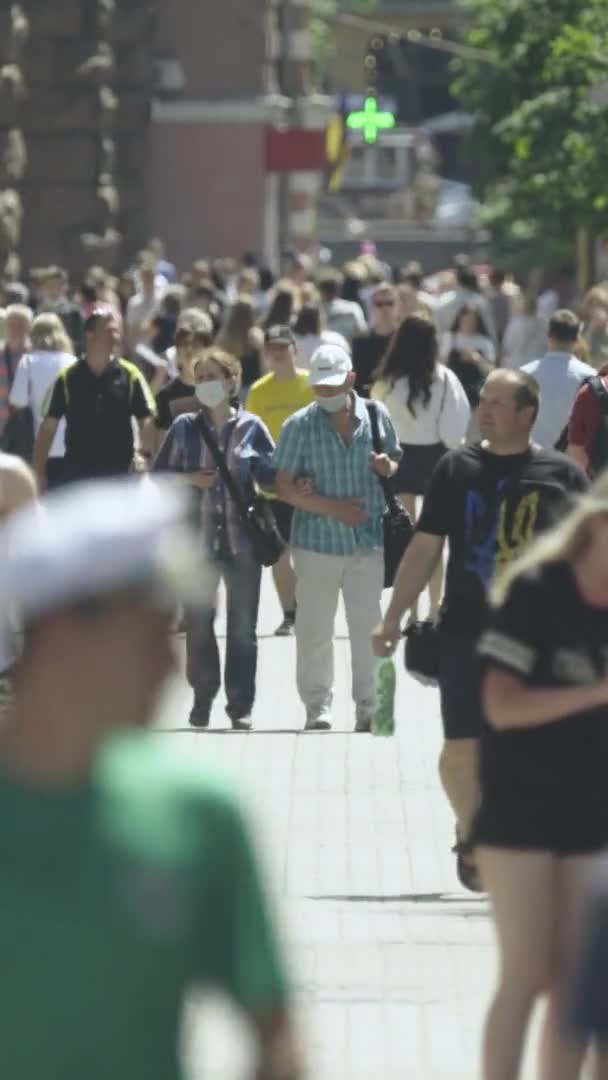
[283, 515]
[460, 686]
[416, 468]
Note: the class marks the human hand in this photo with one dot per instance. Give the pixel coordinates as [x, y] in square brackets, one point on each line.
[385, 637]
[350, 512]
[203, 479]
[381, 464]
[139, 463]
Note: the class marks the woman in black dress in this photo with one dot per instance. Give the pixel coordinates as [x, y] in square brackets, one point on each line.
[543, 821]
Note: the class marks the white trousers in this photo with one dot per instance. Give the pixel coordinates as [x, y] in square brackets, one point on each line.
[320, 580]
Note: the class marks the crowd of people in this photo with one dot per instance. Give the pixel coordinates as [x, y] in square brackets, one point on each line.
[287, 405]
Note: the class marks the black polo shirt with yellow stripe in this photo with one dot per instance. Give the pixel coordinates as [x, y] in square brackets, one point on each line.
[98, 411]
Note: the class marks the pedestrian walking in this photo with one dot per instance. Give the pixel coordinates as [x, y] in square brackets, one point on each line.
[588, 426]
[430, 413]
[177, 395]
[488, 500]
[543, 820]
[344, 317]
[526, 333]
[274, 398]
[132, 876]
[247, 448]
[17, 489]
[52, 352]
[98, 397]
[369, 349]
[559, 374]
[309, 333]
[328, 471]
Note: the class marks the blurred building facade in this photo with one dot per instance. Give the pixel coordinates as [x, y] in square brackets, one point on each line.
[119, 118]
[76, 82]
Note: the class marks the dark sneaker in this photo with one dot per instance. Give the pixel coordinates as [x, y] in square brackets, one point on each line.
[466, 867]
[200, 716]
[318, 719]
[287, 627]
[363, 719]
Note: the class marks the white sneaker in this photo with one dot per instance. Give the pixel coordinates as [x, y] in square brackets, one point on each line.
[318, 719]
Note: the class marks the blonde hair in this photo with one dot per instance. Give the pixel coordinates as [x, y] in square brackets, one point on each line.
[49, 334]
[566, 542]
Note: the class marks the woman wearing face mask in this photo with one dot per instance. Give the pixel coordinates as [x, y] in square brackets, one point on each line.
[247, 446]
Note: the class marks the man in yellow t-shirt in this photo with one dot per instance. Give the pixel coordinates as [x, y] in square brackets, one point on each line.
[274, 398]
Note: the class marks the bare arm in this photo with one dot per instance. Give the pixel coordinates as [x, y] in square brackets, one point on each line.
[578, 454]
[347, 511]
[415, 572]
[42, 447]
[511, 705]
[147, 435]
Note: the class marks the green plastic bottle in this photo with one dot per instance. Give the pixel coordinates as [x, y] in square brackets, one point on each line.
[383, 723]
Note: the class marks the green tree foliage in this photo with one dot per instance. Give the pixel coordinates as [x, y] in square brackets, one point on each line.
[541, 137]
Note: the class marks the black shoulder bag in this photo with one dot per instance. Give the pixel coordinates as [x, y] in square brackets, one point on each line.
[396, 522]
[256, 514]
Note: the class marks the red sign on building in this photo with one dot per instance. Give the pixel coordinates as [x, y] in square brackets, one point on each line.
[295, 150]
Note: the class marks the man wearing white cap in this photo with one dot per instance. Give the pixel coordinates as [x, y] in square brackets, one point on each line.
[128, 873]
[328, 470]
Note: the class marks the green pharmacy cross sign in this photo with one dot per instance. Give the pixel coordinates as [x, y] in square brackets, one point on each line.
[371, 120]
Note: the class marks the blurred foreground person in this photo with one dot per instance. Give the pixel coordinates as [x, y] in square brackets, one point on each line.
[17, 488]
[542, 826]
[128, 873]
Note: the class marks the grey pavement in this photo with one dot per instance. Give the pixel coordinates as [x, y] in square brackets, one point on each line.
[393, 962]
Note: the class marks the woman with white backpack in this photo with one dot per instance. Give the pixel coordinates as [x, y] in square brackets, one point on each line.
[429, 410]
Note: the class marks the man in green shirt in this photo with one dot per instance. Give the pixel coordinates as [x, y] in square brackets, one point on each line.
[127, 872]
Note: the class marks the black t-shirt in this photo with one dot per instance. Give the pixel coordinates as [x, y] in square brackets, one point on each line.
[489, 506]
[174, 390]
[98, 411]
[548, 780]
[368, 351]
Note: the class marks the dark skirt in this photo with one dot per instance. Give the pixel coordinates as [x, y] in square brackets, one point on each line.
[416, 468]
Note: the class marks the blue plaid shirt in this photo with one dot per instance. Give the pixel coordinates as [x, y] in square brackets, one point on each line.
[309, 446]
[247, 445]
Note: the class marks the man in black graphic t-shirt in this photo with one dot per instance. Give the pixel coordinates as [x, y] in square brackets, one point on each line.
[488, 501]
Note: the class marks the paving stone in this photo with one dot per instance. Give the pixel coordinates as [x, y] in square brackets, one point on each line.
[393, 961]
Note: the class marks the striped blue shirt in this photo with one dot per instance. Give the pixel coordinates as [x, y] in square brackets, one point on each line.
[247, 445]
[309, 446]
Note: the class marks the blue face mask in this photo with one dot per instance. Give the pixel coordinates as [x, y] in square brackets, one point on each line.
[333, 404]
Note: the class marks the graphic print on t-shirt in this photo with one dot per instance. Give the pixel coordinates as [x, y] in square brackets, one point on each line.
[495, 539]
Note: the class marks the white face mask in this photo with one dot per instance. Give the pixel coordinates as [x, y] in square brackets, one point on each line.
[333, 404]
[211, 394]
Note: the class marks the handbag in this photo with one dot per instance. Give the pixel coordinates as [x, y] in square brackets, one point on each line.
[396, 522]
[256, 515]
[422, 653]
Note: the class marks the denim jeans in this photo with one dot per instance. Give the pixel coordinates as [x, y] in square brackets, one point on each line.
[242, 577]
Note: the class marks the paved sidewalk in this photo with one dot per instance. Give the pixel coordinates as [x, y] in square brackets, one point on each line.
[393, 961]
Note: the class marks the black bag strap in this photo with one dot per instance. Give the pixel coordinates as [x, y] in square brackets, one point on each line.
[389, 495]
[600, 392]
[232, 487]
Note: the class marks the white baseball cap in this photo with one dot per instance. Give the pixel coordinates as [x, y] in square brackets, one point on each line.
[95, 538]
[329, 365]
